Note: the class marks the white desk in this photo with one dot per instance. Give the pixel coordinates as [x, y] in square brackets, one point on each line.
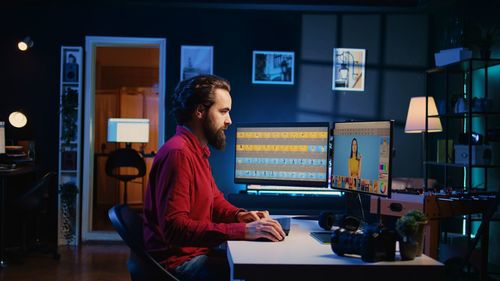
[301, 257]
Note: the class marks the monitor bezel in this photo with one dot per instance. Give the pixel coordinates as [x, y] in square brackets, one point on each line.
[305, 184]
[391, 144]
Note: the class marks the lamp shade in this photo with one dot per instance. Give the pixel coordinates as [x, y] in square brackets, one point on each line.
[415, 120]
[128, 130]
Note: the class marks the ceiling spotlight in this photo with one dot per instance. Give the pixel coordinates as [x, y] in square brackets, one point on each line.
[18, 119]
[25, 44]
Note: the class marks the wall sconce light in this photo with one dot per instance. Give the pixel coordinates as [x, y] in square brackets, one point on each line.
[25, 44]
[18, 119]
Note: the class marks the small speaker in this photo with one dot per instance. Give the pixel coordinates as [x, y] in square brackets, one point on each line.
[70, 72]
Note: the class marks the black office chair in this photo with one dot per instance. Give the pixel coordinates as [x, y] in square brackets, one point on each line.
[141, 265]
[39, 202]
[125, 158]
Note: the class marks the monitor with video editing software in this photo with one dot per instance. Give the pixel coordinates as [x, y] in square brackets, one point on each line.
[362, 157]
[282, 154]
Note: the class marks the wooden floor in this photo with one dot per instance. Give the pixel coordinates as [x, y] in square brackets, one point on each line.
[102, 262]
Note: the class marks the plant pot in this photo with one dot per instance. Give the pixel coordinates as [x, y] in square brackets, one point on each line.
[407, 249]
[419, 238]
[485, 53]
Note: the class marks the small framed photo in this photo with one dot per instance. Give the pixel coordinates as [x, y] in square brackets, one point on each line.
[72, 62]
[271, 67]
[348, 69]
[196, 60]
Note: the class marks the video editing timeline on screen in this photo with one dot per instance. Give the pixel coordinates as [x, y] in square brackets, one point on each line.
[283, 153]
[361, 153]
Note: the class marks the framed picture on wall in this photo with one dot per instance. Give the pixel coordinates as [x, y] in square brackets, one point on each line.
[72, 60]
[196, 60]
[271, 67]
[348, 69]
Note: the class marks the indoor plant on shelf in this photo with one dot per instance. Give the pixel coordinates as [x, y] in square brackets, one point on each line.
[411, 230]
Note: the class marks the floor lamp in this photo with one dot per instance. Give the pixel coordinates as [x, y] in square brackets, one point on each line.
[416, 122]
[127, 130]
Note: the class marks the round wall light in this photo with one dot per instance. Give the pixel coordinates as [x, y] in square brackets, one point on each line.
[18, 119]
[25, 44]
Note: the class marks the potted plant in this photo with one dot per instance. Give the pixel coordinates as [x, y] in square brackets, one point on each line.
[410, 229]
[488, 37]
[68, 192]
[419, 235]
[482, 38]
[69, 115]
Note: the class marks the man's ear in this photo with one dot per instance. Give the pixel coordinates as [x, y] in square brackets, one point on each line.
[199, 112]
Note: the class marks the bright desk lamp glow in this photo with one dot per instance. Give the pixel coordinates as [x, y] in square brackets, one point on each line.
[18, 119]
[415, 120]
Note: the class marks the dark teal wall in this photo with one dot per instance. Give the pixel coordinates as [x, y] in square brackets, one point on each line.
[396, 57]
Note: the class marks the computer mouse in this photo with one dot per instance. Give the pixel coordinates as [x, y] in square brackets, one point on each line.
[263, 239]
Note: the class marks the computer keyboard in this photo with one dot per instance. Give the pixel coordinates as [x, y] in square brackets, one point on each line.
[323, 237]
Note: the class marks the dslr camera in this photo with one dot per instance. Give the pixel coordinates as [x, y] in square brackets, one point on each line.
[372, 242]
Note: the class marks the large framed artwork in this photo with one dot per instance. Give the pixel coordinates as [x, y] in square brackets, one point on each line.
[271, 67]
[348, 69]
[196, 60]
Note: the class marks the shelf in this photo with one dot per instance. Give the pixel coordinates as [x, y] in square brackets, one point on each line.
[457, 165]
[465, 114]
[464, 65]
[68, 171]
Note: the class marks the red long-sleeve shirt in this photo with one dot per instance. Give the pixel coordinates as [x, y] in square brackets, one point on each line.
[184, 211]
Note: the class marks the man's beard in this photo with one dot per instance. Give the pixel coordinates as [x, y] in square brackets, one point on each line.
[215, 137]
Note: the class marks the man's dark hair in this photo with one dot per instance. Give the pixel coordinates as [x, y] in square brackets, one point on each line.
[192, 92]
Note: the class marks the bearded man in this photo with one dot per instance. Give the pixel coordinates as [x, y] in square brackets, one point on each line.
[185, 214]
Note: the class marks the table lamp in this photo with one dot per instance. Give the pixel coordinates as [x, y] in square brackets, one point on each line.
[415, 120]
[127, 130]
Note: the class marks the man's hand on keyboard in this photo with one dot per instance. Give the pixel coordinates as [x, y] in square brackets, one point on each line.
[266, 228]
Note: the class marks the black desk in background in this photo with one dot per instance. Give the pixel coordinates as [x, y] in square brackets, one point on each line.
[8, 177]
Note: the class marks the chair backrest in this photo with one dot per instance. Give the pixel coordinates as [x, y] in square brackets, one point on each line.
[125, 158]
[34, 197]
[141, 264]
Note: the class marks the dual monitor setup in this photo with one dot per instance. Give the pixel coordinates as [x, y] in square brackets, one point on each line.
[351, 156]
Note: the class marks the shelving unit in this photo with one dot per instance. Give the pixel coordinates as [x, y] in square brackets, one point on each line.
[467, 121]
[69, 146]
[466, 70]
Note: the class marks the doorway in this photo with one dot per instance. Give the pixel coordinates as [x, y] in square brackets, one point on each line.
[125, 78]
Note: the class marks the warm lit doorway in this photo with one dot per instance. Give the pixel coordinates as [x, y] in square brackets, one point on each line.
[124, 79]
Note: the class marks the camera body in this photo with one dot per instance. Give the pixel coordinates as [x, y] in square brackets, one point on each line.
[372, 242]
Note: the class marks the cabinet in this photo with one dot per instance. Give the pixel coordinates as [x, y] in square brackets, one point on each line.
[69, 172]
[470, 116]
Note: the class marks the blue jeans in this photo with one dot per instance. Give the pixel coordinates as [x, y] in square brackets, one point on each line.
[210, 267]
